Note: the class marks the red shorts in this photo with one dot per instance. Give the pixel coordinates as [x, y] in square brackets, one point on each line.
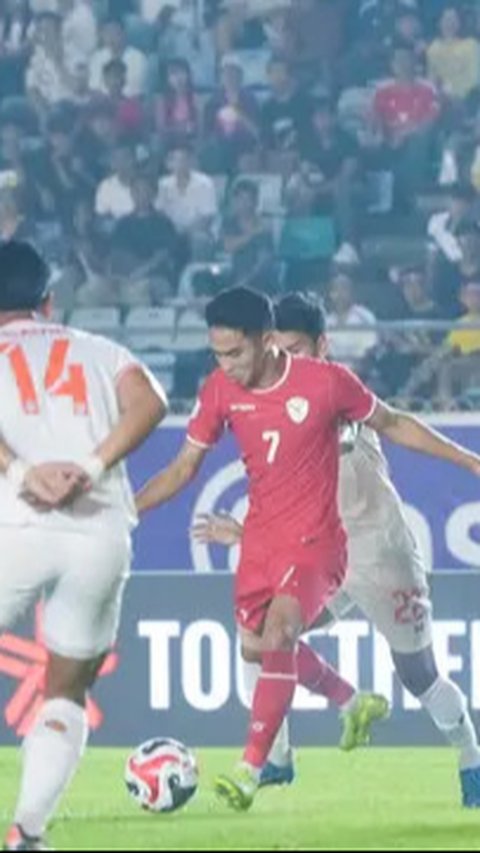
[310, 571]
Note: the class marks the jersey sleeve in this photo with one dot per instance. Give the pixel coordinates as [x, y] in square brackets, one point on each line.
[207, 421]
[121, 361]
[352, 400]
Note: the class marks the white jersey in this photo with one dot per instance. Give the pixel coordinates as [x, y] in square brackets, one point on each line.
[58, 403]
[367, 496]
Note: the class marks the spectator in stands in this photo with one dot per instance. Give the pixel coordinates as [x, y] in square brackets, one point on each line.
[11, 155]
[347, 345]
[362, 62]
[453, 59]
[14, 225]
[286, 114]
[86, 275]
[335, 154]
[231, 122]
[97, 137]
[114, 46]
[406, 111]
[189, 199]
[129, 115]
[79, 30]
[60, 176]
[176, 114]
[408, 33]
[399, 354]
[447, 246]
[114, 196]
[419, 304]
[307, 239]
[464, 340]
[188, 36]
[15, 42]
[247, 240]
[144, 250]
[81, 94]
[48, 80]
[460, 368]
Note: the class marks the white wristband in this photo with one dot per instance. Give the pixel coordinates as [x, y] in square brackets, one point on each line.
[94, 467]
[16, 474]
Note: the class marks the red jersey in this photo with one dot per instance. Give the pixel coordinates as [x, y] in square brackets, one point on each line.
[288, 438]
[400, 105]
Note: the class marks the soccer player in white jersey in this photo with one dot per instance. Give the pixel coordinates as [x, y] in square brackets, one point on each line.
[386, 578]
[73, 406]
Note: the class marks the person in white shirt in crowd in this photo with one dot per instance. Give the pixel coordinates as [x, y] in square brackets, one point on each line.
[114, 46]
[114, 197]
[48, 80]
[189, 198]
[79, 30]
[448, 258]
[346, 344]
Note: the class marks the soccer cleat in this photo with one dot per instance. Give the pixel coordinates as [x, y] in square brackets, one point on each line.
[273, 775]
[368, 708]
[17, 840]
[238, 790]
[470, 784]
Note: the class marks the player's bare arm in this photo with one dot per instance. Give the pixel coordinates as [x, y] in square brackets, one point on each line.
[405, 429]
[173, 479]
[143, 406]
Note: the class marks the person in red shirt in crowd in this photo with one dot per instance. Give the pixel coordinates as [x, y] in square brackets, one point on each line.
[406, 110]
[128, 112]
[176, 112]
[285, 413]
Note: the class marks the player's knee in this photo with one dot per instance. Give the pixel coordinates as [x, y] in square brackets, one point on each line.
[279, 637]
[417, 671]
[250, 655]
[70, 680]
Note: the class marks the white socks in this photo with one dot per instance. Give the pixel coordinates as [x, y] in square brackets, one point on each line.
[51, 755]
[280, 753]
[447, 707]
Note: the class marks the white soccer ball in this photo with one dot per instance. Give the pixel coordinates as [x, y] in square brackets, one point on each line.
[161, 775]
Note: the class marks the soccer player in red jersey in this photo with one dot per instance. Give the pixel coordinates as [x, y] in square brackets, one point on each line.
[285, 413]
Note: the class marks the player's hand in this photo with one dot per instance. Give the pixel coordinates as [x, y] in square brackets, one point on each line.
[53, 485]
[221, 529]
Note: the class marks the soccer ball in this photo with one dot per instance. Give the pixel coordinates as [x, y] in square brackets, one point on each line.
[161, 775]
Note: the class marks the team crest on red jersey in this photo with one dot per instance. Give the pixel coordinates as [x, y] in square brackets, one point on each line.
[298, 409]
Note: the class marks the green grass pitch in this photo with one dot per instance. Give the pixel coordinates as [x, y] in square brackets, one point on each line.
[377, 799]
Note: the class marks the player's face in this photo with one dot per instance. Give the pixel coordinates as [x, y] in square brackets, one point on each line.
[299, 343]
[240, 357]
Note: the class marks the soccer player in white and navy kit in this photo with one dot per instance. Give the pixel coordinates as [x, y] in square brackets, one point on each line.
[73, 406]
[386, 577]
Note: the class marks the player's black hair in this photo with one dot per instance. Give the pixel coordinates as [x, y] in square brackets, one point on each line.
[24, 277]
[296, 312]
[242, 309]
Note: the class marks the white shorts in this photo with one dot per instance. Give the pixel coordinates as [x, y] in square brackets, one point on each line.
[387, 580]
[79, 576]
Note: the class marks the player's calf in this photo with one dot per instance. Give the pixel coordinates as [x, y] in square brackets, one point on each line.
[56, 743]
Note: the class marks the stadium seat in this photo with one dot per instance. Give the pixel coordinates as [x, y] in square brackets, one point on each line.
[391, 250]
[103, 321]
[162, 365]
[192, 333]
[150, 328]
